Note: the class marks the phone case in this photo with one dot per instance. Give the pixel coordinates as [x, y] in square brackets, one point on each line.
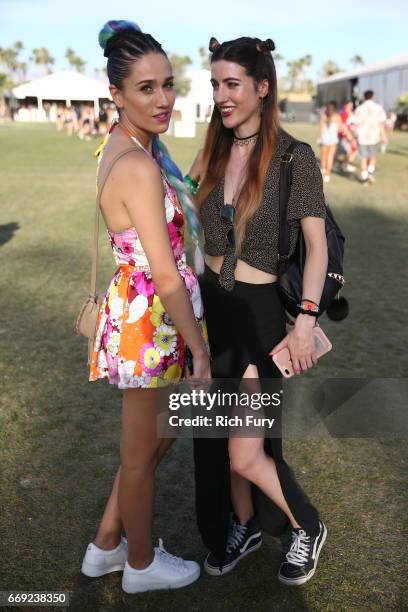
[322, 343]
[283, 361]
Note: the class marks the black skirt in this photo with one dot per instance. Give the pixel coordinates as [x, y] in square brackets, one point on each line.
[243, 326]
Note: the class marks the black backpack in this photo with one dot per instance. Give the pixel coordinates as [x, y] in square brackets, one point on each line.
[291, 268]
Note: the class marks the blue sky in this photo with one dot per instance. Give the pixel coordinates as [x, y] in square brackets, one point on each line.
[375, 29]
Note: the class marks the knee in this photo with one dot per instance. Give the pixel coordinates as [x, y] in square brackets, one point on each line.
[243, 463]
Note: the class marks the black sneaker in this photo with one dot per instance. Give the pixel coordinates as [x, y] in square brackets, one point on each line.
[242, 540]
[301, 560]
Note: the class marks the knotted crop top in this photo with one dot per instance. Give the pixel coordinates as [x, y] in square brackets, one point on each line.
[260, 245]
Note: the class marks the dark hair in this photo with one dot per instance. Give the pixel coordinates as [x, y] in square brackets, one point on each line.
[255, 57]
[368, 94]
[123, 42]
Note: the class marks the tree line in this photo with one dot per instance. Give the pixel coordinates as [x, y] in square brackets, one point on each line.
[13, 70]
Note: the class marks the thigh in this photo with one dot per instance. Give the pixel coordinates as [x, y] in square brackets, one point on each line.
[139, 441]
[331, 152]
[244, 451]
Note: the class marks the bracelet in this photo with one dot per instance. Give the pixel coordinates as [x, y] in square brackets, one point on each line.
[192, 185]
[308, 307]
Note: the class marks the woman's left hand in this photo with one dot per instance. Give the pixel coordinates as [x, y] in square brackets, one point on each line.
[299, 341]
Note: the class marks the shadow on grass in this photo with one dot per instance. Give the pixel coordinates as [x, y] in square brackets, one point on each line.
[65, 451]
[7, 231]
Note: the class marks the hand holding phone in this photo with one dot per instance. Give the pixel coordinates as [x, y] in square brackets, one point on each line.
[283, 360]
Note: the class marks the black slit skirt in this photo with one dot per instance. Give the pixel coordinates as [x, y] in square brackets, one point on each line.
[243, 327]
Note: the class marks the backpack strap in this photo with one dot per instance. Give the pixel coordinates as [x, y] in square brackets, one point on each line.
[285, 182]
[100, 187]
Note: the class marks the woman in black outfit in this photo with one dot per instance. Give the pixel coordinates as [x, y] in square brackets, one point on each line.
[238, 199]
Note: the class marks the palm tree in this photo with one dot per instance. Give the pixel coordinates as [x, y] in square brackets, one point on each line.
[42, 57]
[304, 62]
[294, 69]
[74, 60]
[329, 68]
[357, 60]
[9, 59]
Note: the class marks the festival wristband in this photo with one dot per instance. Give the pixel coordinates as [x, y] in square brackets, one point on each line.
[308, 307]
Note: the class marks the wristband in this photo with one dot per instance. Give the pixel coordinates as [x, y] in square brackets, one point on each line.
[308, 307]
[192, 185]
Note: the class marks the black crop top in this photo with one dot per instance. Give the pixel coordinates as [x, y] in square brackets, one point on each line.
[260, 244]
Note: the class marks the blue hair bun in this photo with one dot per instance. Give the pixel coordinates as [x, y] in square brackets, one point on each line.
[115, 26]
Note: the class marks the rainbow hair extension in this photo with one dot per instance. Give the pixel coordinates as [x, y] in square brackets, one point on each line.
[115, 26]
[175, 178]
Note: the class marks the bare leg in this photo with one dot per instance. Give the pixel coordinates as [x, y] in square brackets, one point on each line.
[139, 446]
[330, 158]
[249, 461]
[110, 528]
[323, 160]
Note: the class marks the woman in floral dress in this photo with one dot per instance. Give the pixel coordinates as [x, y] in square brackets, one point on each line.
[152, 309]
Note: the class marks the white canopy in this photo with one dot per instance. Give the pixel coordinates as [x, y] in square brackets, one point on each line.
[65, 85]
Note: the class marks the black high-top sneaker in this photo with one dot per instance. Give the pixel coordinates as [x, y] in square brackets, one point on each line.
[301, 560]
[242, 540]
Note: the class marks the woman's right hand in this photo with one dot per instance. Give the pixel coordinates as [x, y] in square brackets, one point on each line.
[201, 366]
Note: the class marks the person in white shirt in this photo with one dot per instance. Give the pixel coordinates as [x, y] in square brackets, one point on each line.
[370, 118]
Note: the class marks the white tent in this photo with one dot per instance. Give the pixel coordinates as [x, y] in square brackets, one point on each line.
[65, 85]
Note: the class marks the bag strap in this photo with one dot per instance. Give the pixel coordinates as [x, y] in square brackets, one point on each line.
[285, 182]
[100, 187]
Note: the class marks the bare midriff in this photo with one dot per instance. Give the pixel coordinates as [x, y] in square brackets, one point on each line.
[243, 271]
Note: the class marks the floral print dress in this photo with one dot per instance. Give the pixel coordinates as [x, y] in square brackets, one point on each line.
[136, 343]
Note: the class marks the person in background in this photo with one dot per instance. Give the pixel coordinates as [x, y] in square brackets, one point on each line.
[348, 142]
[330, 126]
[370, 118]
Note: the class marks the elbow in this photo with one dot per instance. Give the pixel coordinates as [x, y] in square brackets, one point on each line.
[167, 282]
[318, 251]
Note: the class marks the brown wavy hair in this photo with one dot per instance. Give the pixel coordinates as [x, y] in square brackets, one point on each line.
[255, 57]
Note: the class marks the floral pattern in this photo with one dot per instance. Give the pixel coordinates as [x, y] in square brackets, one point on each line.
[136, 343]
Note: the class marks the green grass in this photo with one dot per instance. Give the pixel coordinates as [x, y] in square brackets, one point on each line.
[59, 434]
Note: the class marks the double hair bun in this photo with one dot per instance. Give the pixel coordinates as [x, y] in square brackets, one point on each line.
[265, 46]
[112, 27]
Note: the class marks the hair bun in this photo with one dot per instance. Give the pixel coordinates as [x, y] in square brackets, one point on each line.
[119, 26]
[270, 44]
[266, 46]
[213, 44]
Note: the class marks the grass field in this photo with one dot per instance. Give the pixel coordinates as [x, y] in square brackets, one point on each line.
[59, 434]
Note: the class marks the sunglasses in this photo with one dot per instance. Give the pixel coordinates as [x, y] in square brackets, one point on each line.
[227, 212]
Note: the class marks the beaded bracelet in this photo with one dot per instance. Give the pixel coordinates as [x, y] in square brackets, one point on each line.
[191, 184]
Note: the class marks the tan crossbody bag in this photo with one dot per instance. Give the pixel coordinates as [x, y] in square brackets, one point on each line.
[88, 315]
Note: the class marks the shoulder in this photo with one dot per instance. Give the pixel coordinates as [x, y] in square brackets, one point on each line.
[137, 165]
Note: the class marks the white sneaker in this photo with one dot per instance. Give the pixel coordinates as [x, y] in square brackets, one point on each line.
[98, 562]
[165, 572]
[326, 178]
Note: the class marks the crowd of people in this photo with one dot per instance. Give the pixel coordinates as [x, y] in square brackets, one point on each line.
[351, 133]
[82, 120]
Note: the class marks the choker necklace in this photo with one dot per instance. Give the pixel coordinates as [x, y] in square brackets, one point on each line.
[246, 140]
